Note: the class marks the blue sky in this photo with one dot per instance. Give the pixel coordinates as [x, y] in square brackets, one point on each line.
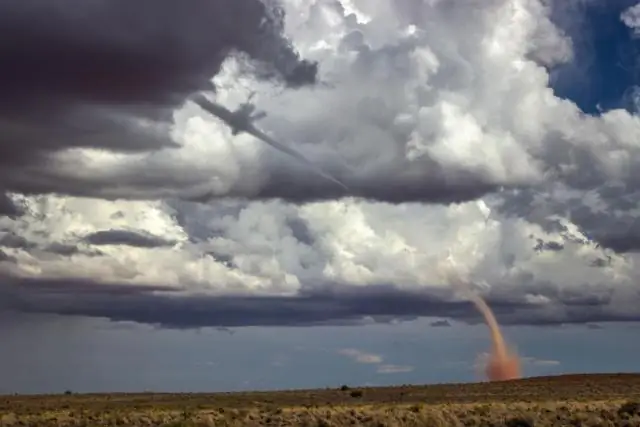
[94, 355]
[124, 268]
[606, 57]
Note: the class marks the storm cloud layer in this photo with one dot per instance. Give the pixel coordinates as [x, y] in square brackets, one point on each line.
[446, 103]
[107, 75]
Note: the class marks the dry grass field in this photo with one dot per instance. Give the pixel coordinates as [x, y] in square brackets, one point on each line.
[576, 400]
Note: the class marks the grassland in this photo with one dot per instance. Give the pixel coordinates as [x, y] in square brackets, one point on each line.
[577, 400]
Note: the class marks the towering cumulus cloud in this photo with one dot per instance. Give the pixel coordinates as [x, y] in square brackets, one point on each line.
[127, 201]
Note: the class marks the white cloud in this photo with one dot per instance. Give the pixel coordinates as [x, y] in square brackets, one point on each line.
[540, 362]
[361, 356]
[631, 18]
[433, 95]
[394, 369]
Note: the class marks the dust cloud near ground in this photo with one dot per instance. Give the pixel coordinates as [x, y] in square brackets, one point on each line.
[502, 364]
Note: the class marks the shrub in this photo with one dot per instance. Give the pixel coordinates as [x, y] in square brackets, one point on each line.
[629, 408]
[519, 422]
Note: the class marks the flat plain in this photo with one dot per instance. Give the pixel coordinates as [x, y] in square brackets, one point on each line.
[609, 400]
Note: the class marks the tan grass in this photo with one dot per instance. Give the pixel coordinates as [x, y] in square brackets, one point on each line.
[588, 401]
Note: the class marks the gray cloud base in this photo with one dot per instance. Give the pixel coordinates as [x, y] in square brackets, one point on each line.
[338, 305]
[126, 237]
[8, 207]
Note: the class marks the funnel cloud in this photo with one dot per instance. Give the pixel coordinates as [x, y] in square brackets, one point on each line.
[122, 199]
[108, 75]
[502, 364]
[242, 120]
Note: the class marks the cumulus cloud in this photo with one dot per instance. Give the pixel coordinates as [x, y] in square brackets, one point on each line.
[631, 18]
[418, 130]
[446, 103]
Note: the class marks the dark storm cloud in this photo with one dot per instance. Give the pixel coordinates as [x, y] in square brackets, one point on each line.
[615, 227]
[11, 240]
[440, 323]
[300, 230]
[81, 73]
[143, 53]
[126, 237]
[392, 186]
[621, 244]
[618, 229]
[542, 246]
[625, 239]
[601, 262]
[5, 257]
[165, 306]
[8, 208]
[66, 249]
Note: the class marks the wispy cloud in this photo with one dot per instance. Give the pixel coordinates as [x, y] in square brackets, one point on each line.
[540, 362]
[394, 369]
[361, 356]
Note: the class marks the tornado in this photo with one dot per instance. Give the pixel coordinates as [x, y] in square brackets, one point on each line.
[502, 364]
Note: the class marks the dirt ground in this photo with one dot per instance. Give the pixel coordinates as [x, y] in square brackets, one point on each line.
[576, 400]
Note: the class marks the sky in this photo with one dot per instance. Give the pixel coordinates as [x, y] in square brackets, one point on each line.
[145, 247]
